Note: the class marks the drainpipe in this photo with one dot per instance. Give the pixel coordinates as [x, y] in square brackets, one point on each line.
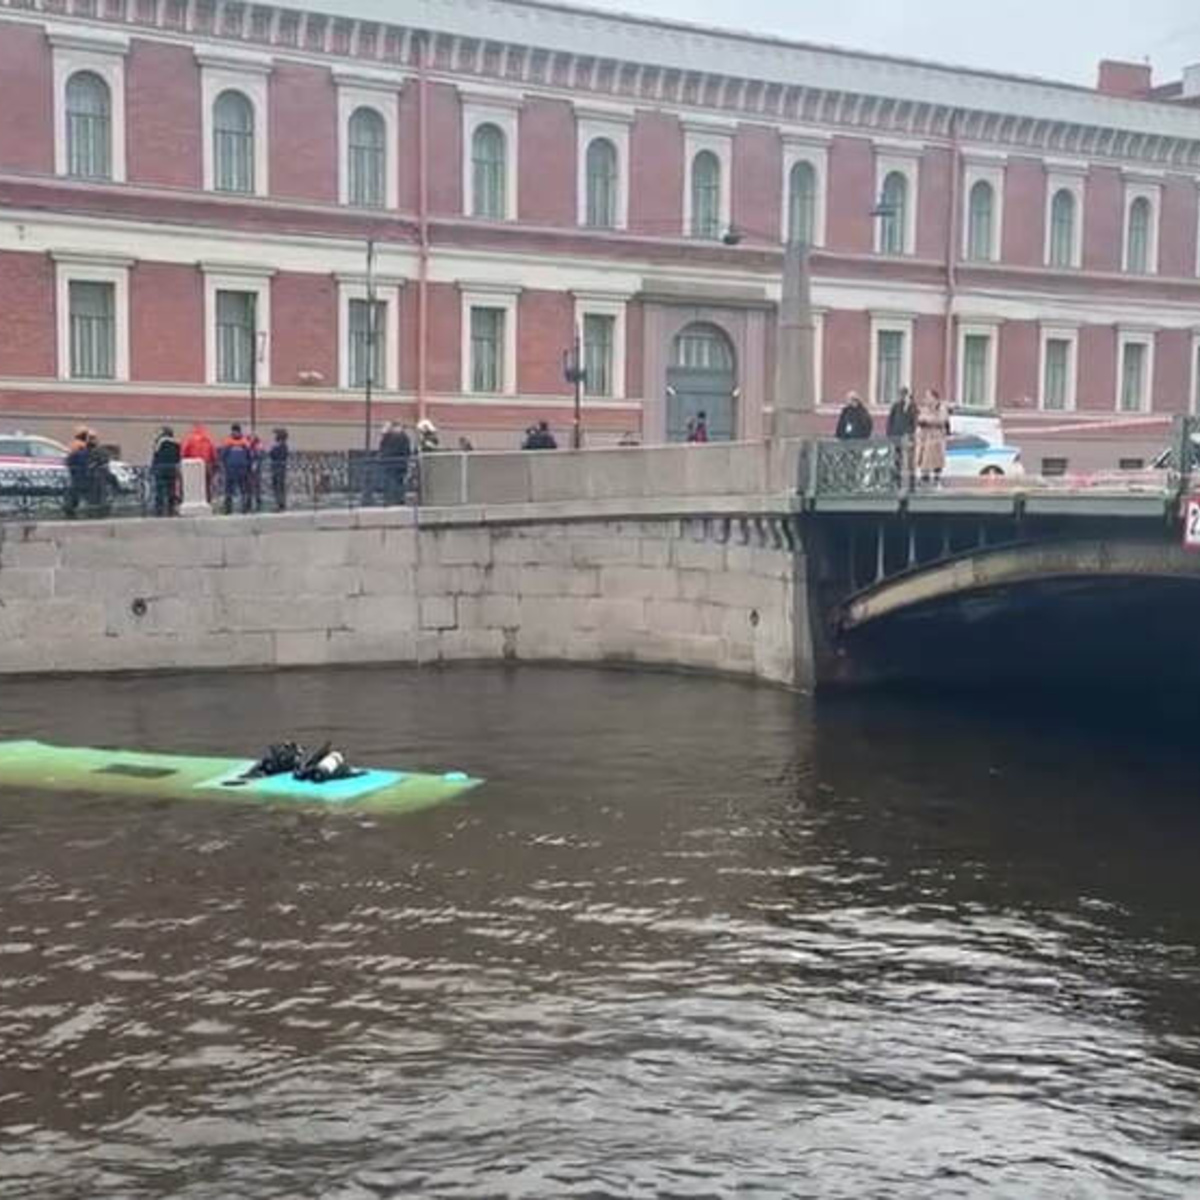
[422, 226]
[952, 236]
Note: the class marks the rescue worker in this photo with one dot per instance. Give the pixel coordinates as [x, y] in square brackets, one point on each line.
[164, 465]
[235, 466]
[199, 444]
[98, 483]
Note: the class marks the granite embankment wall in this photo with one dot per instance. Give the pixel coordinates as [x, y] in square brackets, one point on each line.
[708, 584]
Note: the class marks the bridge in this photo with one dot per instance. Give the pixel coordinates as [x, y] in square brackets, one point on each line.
[808, 563]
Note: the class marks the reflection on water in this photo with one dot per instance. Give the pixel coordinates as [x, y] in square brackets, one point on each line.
[694, 938]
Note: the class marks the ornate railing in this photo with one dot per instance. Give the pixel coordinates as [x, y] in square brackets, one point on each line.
[338, 479]
[855, 468]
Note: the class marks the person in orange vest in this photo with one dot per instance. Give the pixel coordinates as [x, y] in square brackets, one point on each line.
[199, 444]
[236, 465]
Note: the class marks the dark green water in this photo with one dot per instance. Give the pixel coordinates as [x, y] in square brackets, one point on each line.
[694, 938]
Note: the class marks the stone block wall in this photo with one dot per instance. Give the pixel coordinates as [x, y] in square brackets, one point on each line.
[709, 592]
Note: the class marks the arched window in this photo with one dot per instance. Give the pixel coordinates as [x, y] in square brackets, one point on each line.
[1062, 229]
[703, 347]
[802, 204]
[980, 217]
[367, 158]
[706, 195]
[1137, 252]
[601, 183]
[893, 222]
[89, 127]
[233, 143]
[489, 173]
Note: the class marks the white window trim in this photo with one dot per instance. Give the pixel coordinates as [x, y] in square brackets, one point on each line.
[815, 152]
[909, 165]
[354, 287]
[488, 295]
[974, 173]
[242, 72]
[1073, 182]
[104, 54]
[1194, 371]
[991, 331]
[604, 304]
[592, 123]
[93, 268]
[889, 323]
[222, 277]
[504, 112]
[703, 135]
[1151, 192]
[359, 89]
[1133, 336]
[1059, 333]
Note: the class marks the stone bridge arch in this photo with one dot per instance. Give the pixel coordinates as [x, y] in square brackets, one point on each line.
[985, 569]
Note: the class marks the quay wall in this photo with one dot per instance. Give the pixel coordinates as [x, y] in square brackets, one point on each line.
[714, 585]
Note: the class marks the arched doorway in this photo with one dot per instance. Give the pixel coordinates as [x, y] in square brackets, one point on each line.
[702, 378]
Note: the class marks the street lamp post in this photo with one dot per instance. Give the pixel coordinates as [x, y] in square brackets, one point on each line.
[369, 374]
[575, 373]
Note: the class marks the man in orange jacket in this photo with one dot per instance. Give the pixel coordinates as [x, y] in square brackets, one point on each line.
[199, 444]
[236, 464]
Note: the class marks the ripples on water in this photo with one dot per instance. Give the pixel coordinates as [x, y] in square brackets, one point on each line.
[693, 939]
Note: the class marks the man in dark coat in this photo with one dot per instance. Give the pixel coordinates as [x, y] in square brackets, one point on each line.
[164, 465]
[854, 423]
[395, 449]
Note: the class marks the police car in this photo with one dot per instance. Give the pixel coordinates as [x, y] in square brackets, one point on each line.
[975, 448]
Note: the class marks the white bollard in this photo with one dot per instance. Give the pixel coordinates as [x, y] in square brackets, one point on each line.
[195, 488]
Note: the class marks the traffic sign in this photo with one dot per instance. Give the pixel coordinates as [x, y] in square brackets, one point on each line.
[1191, 523]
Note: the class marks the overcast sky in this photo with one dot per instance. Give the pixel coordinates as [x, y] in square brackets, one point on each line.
[1059, 39]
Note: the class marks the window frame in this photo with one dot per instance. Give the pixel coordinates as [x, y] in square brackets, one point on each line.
[502, 296]
[1071, 181]
[226, 278]
[354, 287]
[503, 112]
[92, 268]
[906, 163]
[1127, 336]
[974, 173]
[1059, 333]
[361, 89]
[222, 71]
[815, 152]
[103, 54]
[718, 140]
[1152, 194]
[977, 328]
[606, 304]
[890, 323]
[613, 125]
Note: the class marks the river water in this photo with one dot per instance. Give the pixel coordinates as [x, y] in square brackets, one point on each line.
[693, 938]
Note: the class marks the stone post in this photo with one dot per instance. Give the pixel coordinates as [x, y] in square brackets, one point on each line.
[194, 472]
[795, 387]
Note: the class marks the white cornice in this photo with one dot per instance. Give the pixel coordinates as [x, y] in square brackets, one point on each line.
[245, 61]
[95, 41]
[375, 81]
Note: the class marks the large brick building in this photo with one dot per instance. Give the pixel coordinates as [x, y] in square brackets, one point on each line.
[188, 189]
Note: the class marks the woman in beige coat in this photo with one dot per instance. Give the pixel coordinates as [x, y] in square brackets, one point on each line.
[933, 424]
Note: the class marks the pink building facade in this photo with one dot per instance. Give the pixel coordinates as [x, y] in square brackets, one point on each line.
[188, 189]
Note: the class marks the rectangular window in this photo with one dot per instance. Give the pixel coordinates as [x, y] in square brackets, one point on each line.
[976, 353]
[598, 354]
[1133, 377]
[487, 349]
[235, 336]
[93, 330]
[1057, 365]
[889, 373]
[88, 145]
[367, 345]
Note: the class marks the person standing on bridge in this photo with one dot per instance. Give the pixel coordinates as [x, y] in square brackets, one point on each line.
[902, 429]
[933, 426]
[854, 422]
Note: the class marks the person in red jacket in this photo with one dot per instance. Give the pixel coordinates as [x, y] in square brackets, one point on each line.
[199, 444]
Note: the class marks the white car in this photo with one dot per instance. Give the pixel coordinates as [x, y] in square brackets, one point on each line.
[41, 463]
[970, 455]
